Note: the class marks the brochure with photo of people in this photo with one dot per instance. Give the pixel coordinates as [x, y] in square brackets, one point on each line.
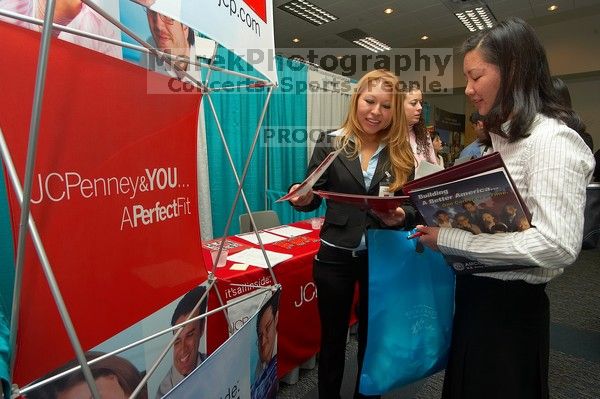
[480, 199]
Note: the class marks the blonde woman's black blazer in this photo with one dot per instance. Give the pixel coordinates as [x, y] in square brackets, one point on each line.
[344, 223]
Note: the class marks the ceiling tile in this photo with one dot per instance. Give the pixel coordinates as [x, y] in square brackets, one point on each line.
[410, 20]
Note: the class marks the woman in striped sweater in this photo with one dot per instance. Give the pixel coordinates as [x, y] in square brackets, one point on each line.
[500, 341]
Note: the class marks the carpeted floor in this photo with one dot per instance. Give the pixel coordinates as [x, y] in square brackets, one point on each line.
[574, 343]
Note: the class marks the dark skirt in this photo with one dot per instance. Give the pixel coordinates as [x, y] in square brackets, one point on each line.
[500, 340]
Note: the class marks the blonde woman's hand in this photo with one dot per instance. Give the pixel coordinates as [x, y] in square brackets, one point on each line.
[392, 217]
[301, 200]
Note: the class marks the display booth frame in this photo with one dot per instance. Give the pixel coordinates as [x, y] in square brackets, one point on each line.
[27, 223]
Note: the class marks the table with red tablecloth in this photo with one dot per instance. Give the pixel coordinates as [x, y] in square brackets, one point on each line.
[298, 328]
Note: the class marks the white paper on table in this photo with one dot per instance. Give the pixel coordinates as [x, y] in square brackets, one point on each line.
[310, 181]
[426, 168]
[255, 257]
[239, 266]
[289, 231]
[265, 237]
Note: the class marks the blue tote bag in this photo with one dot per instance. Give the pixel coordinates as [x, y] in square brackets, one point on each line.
[411, 305]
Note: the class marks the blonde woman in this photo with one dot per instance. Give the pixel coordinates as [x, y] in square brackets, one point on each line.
[376, 152]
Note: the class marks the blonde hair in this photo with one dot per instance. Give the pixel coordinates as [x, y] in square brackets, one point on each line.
[395, 135]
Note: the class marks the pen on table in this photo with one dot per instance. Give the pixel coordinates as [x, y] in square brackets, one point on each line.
[415, 235]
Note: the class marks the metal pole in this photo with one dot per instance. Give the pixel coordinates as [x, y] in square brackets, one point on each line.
[26, 221]
[266, 173]
[221, 303]
[212, 59]
[240, 182]
[235, 175]
[39, 246]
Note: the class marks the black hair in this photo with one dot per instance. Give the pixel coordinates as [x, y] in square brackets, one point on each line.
[597, 169]
[462, 215]
[188, 302]
[562, 90]
[419, 128]
[191, 37]
[499, 228]
[492, 213]
[440, 212]
[273, 304]
[525, 82]
[475, 117]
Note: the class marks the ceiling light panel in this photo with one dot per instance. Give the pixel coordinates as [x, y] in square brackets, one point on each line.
[478, 18]
[308, 12]
[363, 39]
[372, 44]
[473, 14]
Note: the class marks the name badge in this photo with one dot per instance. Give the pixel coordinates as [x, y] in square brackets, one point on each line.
[384, 186]
[384, 191]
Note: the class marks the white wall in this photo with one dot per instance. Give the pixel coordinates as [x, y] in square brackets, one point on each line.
[572, 46]
[449, 102]
[585, 95]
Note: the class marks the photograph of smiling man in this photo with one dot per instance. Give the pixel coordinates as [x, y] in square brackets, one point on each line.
[171, 37]
[186, 352]
[265, 373]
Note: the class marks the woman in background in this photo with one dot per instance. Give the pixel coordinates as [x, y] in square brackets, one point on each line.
[500, 337]
[420, 141]
[437, 144]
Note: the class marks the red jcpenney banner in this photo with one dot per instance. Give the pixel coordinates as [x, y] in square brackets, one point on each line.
[113, 196]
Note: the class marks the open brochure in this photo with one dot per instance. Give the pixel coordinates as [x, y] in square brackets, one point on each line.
[309, 182]
[364, 201]
[478, 196]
